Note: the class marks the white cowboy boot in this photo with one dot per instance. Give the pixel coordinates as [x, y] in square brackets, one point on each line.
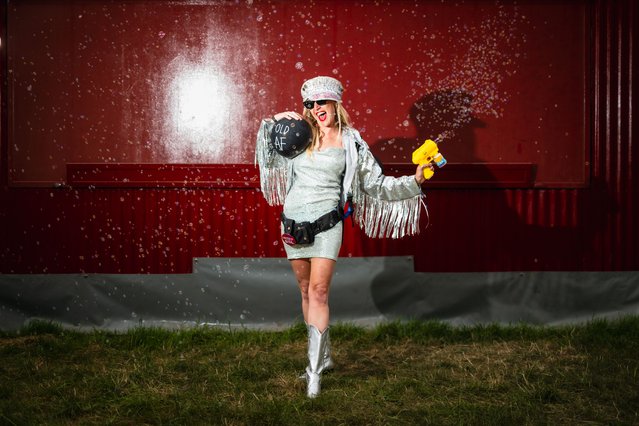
[316, 349]
[327, 362]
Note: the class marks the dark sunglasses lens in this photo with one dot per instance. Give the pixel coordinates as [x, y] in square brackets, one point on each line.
[309, 104]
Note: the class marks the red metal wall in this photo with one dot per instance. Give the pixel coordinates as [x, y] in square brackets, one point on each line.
[159, 228]
[592, 228]
[146, 231]
[152, 81]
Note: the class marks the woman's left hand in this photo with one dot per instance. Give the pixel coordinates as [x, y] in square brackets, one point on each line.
[419, 173]
[291, 115]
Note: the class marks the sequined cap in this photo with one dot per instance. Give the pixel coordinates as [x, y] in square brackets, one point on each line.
[322, 87]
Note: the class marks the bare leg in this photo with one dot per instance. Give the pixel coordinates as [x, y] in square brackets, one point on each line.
[318, 288]
[302, 271]
[314, 280]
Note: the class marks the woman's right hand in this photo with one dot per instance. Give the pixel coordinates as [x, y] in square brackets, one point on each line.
[419, 173]
[292, 115]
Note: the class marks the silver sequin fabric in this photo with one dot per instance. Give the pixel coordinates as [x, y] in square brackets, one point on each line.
[315, 191]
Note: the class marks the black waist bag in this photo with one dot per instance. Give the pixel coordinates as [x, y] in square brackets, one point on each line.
[305, 232]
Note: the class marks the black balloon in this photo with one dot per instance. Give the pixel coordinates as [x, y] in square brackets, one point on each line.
[290, 137]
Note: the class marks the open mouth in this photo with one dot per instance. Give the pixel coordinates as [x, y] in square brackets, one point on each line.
[321, 116]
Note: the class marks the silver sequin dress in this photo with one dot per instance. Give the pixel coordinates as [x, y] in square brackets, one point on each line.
[315, 191]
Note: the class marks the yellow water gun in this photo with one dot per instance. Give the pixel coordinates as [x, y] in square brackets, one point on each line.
[426, 154]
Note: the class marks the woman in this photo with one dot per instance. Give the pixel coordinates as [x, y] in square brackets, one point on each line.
[337, 166]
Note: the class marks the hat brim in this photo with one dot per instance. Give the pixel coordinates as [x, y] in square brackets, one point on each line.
[322, 96]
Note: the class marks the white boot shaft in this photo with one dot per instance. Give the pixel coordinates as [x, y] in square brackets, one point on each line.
[317, 347]
[327, 362]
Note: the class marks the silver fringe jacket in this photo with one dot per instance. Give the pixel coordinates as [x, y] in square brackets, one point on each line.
[383, 206]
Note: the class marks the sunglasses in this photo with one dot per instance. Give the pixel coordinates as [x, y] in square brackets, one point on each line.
[309, 104]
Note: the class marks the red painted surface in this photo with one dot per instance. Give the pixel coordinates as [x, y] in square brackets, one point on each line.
[111, 175]
[579, 222]
[187, 82]
[243, 176]
[147, 231]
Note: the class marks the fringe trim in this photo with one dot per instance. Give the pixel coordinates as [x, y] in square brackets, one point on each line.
[273, 170]
[273, 185]
[383, 219]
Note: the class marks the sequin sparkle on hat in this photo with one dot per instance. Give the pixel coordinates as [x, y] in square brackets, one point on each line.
[322, 87]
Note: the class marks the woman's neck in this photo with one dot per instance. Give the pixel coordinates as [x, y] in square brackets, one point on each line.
[330, 131]
[329, 137]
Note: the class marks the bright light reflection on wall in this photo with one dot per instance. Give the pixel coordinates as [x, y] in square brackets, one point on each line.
[201, 99]
[198, 100]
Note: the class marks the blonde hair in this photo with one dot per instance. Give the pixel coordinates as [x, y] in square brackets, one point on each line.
[343, 120]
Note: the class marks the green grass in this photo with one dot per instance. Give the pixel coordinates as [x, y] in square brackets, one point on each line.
[397, 373]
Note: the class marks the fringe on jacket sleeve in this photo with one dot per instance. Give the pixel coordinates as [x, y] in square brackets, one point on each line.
[273, 167]
[387, 219]
[384, 206]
